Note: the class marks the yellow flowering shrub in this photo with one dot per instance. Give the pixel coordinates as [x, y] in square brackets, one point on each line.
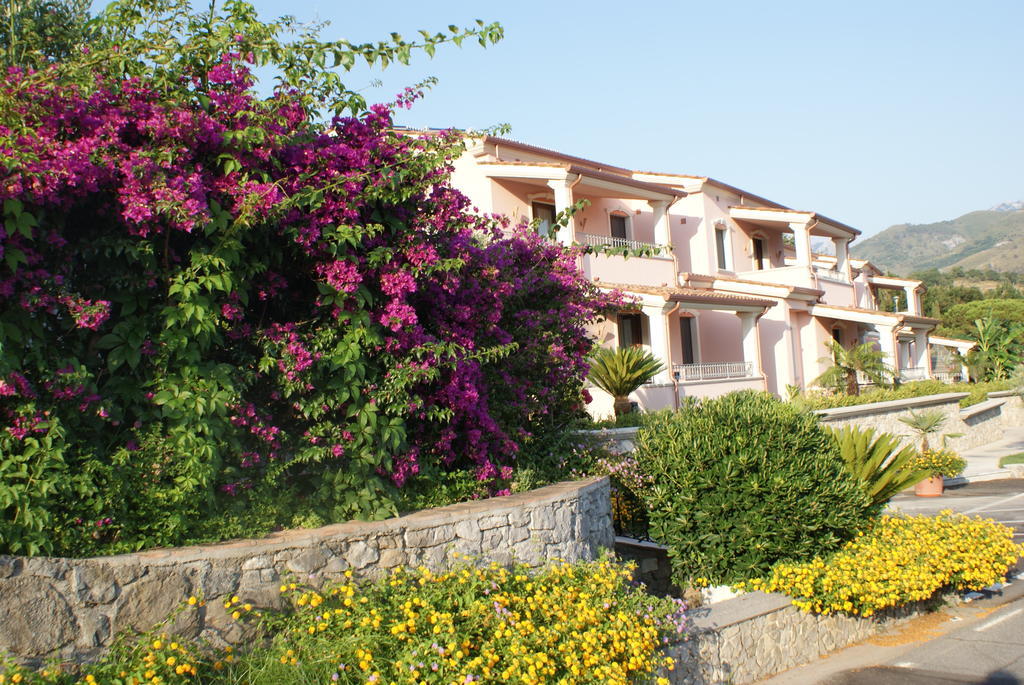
[568, 624]
[938, 463]
[900, 560]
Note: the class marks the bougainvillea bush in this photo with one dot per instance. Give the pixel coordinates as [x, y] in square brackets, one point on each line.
[219, 311]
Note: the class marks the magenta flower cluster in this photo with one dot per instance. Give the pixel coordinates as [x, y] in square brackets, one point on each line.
[287, 299]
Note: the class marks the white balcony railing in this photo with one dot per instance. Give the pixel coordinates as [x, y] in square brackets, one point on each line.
[602, 240]
[831, 274]
[714, 371]
[914, 373]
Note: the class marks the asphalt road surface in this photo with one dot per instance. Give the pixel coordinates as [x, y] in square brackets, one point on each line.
[989, 650]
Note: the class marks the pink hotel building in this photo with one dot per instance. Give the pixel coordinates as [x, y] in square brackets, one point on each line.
[735, 300]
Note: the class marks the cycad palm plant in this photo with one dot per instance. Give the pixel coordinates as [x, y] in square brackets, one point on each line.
[620, 372]
[846, 363]
[925, 423]
[881, 463]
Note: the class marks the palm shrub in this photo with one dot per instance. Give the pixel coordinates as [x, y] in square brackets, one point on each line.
[847, 363]
[740, 482]
[924, 423]
[881, 463]
[620, 372]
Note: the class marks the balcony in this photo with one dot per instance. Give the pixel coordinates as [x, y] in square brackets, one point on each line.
[713, 371]
[606, 240]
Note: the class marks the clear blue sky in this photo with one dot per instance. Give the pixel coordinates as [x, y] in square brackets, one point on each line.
[872, 113]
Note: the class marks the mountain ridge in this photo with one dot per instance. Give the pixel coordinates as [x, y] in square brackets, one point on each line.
[984, 239]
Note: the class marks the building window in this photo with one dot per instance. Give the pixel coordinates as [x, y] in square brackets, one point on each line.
[760, 262]
[687, 332]
[631, 331]
[544, 214]
[721, 246]
[619, 226]
[837, 335]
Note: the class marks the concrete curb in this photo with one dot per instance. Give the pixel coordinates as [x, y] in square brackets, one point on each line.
[1001, 474]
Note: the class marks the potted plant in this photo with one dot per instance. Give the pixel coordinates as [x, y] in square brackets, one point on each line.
[938, 464]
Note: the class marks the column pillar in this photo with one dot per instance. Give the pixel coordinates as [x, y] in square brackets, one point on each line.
[842, 256]
[748, 334]
[661, 222]
[563, 200]
[802, 243]
[911, 292]
[659, 340]
[922, 359]
[887, 343]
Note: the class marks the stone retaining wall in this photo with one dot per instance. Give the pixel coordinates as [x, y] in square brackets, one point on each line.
[757, 635]
[72, 608]
[979, 424]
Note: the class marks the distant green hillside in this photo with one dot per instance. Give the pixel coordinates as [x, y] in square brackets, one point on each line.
[992, 239]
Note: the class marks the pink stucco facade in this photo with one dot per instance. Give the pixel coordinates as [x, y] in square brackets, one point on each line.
[737, 296]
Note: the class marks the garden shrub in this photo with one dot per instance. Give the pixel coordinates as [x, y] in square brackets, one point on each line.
[569, 623]
[977, 393]
[219, 313]
[741, 482]
[897, 561]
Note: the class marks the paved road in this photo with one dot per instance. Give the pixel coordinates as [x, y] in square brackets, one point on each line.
[990, 649]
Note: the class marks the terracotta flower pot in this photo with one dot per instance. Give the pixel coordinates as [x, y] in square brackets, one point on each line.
[929, 487]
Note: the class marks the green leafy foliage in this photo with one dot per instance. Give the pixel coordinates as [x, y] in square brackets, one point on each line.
[880, 462]
[1000, 347]
[741, 482]
[36, 33]
[958, 320]
[976, 393]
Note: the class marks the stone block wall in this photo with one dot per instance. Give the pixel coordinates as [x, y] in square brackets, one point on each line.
[757, 635]
[72, 608]
[979, 424]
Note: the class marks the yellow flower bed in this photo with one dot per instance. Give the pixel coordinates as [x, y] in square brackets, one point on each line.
[901, 560]
[567, 624]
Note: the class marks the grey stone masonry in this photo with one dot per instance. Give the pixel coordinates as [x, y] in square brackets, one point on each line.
[757, 635]
[71, 609]
[979, 424]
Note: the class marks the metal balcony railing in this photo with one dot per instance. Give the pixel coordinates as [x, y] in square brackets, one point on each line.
[600, 240]
[714, 371]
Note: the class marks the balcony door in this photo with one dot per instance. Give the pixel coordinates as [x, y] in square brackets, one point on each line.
[760, 263]
[544, 214]
[687, 331]
[619, 226]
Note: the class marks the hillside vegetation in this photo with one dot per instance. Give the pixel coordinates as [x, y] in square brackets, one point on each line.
[991, 239]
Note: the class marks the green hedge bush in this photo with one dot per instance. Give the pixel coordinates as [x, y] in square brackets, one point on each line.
[977, 393]
[741, 482]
